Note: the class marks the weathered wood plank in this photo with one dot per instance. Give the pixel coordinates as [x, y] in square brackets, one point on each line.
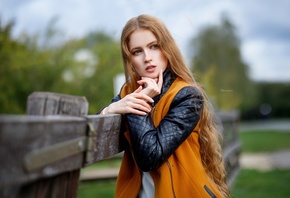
[20, 135]
[106, 140]
[48, 103]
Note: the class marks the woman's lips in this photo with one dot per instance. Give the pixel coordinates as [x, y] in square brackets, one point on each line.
[150, 68]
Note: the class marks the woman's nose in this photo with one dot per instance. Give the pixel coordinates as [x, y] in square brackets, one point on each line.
[147, 57]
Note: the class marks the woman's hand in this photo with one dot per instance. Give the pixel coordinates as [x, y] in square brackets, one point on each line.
[136, 103]
[152, 86]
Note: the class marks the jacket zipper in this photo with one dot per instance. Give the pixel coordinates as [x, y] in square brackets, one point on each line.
[167, 162]
[171, 179]
[211, 194]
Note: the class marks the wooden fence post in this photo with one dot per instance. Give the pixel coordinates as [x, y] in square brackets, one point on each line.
[231, 143]
[45, 103]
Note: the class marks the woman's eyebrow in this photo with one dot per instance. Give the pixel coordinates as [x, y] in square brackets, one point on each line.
[137, 47]
[152, 42]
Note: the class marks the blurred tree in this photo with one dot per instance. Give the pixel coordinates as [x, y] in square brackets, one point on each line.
[272, 101]
[27, 67]
[98, 60]
[46, 62]
[218, 65]
[7, 45]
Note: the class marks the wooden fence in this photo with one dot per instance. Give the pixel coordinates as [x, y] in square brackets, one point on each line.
[42, 152]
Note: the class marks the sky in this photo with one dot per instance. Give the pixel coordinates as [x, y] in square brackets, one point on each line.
[263, 27]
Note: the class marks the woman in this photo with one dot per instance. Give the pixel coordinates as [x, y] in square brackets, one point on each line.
[173, 145]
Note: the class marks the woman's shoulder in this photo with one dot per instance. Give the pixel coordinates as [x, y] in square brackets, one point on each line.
[184, 88]
[190, 92]
[182, 92]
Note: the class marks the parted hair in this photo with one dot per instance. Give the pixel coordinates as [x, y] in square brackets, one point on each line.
[209, 135]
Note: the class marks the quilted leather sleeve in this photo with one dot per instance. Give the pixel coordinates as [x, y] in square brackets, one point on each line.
[153, 145]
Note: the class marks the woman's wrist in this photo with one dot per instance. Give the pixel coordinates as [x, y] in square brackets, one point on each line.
[107, 110]
[104, 111]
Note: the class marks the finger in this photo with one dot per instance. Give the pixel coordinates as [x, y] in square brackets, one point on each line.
[142, 108]
[141, 113]
[137, 106]
[138, 90]
[141, 104]
[141, 82]
[145, 98]
[137, 97]
[160, 80]
[145, 80]
[148, 82]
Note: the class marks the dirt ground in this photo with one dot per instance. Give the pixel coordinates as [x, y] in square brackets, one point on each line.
[266, 161]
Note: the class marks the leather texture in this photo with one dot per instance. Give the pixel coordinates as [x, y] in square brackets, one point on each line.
[152, 145]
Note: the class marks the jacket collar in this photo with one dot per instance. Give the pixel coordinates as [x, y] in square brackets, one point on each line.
[168, 78]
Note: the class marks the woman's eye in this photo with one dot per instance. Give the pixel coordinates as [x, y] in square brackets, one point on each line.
[155, 46]
[136, 52]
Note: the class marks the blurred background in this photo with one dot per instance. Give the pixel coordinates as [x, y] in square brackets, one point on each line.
[239, 51]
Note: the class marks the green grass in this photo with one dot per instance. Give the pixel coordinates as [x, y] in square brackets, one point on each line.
[109, 163]
[256, 184]
[264, 141]
[97, 189]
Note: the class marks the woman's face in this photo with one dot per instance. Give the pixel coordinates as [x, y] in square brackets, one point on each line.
[146, 56]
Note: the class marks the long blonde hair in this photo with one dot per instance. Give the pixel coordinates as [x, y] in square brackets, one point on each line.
[209, 134]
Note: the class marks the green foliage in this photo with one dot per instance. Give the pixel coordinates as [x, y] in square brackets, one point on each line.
[218, 64]
[262, 141]
[99, 88]
[277, 95]
[256, 184]
[25, 68]
[46, 62]
[272, 101]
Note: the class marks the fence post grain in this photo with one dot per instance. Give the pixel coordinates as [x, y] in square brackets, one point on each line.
[45, 103]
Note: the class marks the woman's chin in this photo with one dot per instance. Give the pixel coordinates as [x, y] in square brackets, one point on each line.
[153, 76]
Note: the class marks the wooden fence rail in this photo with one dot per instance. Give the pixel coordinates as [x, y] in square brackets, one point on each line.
[41, 156]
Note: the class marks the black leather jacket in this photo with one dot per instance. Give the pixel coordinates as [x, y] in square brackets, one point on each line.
[153, 145]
